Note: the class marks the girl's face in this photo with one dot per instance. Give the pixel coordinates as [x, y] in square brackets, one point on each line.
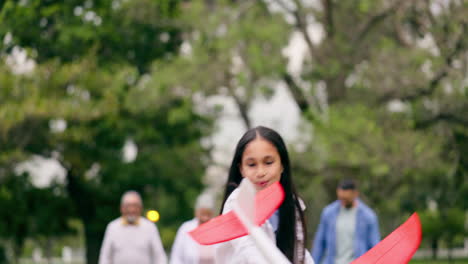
[261, 163]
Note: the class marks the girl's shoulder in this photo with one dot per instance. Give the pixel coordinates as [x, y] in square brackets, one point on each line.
[229, 204]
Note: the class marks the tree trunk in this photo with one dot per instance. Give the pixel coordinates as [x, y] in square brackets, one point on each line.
[434, 247]
[3, 258]
[449, 251]
[17, 249]
[86, 209]
[48, 250]
[93, 244]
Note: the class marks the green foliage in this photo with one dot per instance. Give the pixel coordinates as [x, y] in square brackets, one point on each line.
[86, 73]
[100, 118]
[432, 224]
[117, 71]
[375, 55]
[26, 211]
[219, 36]
[378, 149]
[119, 31]
[454, 220]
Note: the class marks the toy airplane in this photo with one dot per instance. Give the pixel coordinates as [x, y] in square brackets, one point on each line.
[228, 226]
[396, 248]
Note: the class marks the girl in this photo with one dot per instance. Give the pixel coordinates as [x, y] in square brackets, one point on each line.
[262, 158]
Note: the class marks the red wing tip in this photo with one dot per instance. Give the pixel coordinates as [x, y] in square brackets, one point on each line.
[409, 233]
[417, 224]
[217, 230]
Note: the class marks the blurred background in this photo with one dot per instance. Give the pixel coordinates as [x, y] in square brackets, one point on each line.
[101, 96]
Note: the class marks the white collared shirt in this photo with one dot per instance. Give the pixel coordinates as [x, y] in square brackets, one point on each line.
[185, 250]
[128, 244]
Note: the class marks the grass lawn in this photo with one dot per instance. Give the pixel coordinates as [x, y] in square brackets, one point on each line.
[440, 261]
[417, 261]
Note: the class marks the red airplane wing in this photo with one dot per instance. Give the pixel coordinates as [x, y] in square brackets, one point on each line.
[227, 226]
[396, 248]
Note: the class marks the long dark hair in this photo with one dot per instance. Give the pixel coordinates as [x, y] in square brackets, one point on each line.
[286, 233]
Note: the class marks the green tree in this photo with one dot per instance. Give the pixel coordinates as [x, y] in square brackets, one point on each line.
[135, 32]
[90, 56]
[383, 89]
[100, 118]
[26, 211]
[433, 229]
[374, 55]
[15, 214]
[227, 51]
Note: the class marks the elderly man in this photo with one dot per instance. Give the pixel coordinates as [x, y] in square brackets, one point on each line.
[131, 238]
[185, 250]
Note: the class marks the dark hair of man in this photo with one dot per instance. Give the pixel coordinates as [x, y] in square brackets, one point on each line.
[347, 184]
[286, 232]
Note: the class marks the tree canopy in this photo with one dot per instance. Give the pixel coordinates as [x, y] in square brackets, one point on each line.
[381, 87]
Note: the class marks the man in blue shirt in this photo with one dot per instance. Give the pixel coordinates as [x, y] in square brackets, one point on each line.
[348, 228]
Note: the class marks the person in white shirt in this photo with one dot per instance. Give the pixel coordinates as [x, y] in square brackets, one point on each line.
[132, 239]
[185, 250]
[262, 158]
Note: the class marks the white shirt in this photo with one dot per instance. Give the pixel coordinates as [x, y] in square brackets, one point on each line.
[345, 230]
[242, 250]
[130, 244]
[185, 250]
